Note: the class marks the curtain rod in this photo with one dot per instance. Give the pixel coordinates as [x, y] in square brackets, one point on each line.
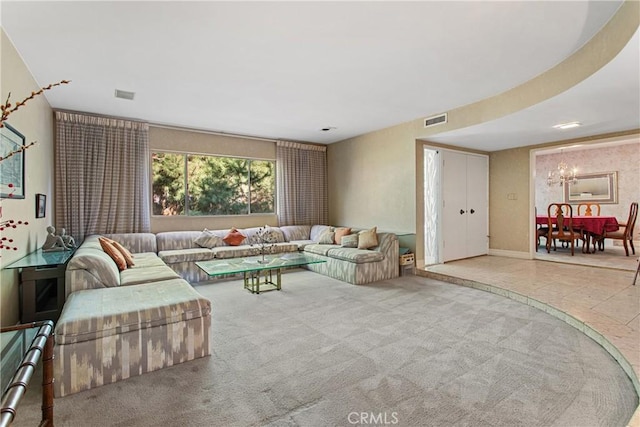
[210, 132]
[104, 116]
[187, 129]
[231, 135]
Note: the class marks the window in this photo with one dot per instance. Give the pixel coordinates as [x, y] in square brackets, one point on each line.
[195, 184]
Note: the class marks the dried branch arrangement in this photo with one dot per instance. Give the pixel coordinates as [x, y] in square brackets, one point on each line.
[7, 109]
[5, 242]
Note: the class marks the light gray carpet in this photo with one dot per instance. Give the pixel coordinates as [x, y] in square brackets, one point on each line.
[321, 352]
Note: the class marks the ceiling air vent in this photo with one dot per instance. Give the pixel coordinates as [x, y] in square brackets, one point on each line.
[435, 120]
[125, 94]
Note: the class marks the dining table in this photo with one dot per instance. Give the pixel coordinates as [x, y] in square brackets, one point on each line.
[592, 226]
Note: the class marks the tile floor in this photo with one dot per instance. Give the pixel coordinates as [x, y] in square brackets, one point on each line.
[599, 301]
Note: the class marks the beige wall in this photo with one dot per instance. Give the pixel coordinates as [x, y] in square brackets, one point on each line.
[182, 140]
[509, 200]
[35, 122]
[366, 185]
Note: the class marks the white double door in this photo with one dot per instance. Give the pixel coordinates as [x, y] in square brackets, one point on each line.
[465, 205]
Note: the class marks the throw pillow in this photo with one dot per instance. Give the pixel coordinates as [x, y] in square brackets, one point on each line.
[208, 240]
[114, 253]
[340, 233]
[128, 257]
[368, 239]
[268, 235]
[326, 238]
[350, 241]
[234, 238]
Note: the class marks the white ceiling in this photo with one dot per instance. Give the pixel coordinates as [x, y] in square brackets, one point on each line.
[284, 70]
[608, 101]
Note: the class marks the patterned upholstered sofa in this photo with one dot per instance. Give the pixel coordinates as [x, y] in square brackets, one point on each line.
[167, 255]
[349, 264]
[119, 324]
[110, 334]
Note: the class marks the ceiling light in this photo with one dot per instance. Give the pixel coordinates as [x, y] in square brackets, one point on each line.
[567, 125]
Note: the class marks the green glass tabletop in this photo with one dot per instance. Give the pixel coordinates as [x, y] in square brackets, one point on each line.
[219, 267]
[42, 259]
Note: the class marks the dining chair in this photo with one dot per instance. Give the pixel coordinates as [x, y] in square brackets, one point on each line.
[541, 231]
[625, 232]
[563, 231]
[588, 209]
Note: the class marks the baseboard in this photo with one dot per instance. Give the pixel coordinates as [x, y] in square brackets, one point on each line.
[509, 254]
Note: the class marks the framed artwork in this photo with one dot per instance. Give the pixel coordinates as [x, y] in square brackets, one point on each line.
[41, 205]
[12, 163]
[593, 187]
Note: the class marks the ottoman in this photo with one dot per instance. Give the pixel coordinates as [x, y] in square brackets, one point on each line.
[109, 334]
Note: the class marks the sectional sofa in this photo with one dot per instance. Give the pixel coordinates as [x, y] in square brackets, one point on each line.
[122, 322]
[173, 254]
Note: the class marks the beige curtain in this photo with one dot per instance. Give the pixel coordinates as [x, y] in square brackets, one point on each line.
[302, 183]
[101, 175]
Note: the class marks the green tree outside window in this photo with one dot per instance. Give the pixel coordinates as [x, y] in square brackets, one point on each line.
[211, 185]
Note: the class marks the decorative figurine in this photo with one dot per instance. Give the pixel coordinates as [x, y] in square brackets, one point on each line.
[68, 239]
[53, 243]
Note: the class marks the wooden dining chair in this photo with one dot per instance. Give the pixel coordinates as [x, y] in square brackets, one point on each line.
[563, 231]
[541, 231]
[625, 232]
[588, 209]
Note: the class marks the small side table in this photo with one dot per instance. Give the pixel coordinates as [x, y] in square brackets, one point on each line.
[407, 262]
[42, 292]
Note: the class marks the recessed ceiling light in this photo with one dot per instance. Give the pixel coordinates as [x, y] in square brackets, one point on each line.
[328, 128]
[567, 125]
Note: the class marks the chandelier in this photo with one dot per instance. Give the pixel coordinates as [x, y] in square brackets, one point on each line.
[562, 175]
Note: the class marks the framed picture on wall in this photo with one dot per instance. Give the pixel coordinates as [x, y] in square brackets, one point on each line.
[12, 163]
[599, 187]
[41, 205]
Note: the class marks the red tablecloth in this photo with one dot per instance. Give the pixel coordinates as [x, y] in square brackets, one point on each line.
[596, 225]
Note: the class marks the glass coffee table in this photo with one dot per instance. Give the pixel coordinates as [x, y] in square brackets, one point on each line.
[258, 271]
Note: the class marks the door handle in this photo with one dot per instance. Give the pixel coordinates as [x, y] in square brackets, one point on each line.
[472, 211]
[461, 211]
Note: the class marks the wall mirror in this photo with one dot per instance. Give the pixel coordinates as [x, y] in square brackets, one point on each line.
[593, 187]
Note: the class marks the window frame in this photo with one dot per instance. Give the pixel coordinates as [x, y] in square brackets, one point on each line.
[186, 155]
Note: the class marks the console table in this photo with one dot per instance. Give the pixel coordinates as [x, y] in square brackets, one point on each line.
[22, 347]
[42, 291]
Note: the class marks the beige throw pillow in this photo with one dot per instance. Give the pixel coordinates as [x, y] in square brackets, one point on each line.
[208, 240]
[349, 241]
[326, 238]
[368, 239]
